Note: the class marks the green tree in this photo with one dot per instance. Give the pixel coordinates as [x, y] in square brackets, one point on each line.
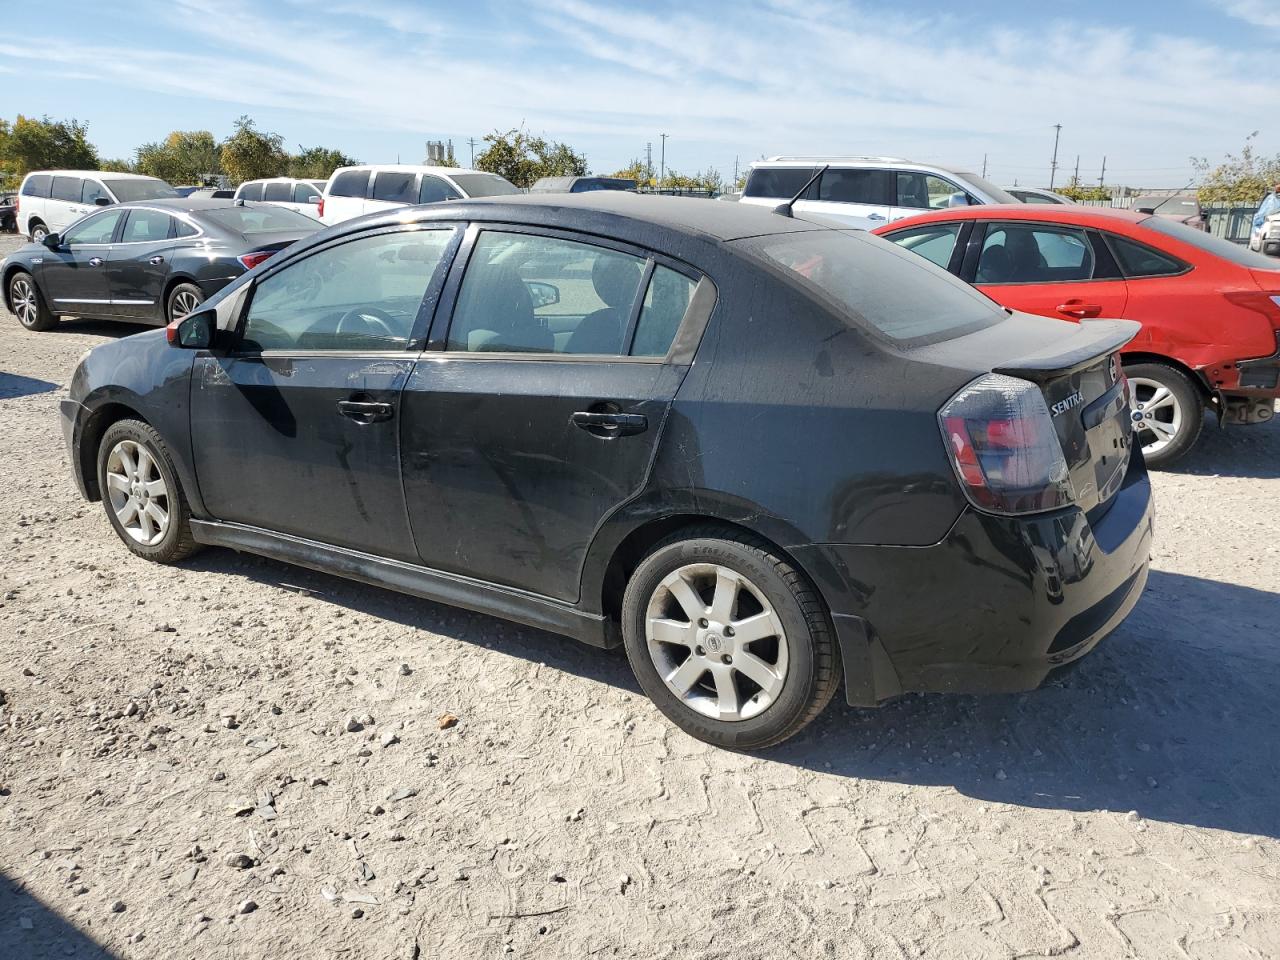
[182, 157]
[117, 165]
[249, 154]
[317, 163]
[44, 144]
[1244, 178]
[637, 171]
[1079, 191]
[522, 158]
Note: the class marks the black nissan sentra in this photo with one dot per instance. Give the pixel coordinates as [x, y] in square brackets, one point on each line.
[144, 262]
[763, 455]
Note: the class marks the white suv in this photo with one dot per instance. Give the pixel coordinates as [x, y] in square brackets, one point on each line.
[51, 200]
[352, 191]
[865, 192]
[300, 196]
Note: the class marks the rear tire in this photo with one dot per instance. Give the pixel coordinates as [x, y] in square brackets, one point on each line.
[141, 493]
[728, 639]
[28, 303]
[38, 231]
[1172, 407]
[183, 299]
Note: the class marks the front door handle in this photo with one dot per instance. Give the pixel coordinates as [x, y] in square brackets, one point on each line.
[365, 411]
[156, 261]
[1079, 309]
[611, 424]
[95, 261]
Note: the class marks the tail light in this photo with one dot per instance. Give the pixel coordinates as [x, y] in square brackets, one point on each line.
[1004, 448]
[320, 206]
[1265, 302]
[251, 260]
[17, 204]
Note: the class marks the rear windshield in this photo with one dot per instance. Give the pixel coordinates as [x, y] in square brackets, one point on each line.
[1234, 252]
[147, 188]
[892, 291]
[264, 219]
[484, 184]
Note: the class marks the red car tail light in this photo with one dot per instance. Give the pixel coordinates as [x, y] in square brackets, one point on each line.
[1265, 302]
[1004, 448]
[251, 260]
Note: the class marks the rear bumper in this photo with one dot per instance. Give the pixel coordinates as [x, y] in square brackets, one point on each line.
[1260, 377]
[995, 606]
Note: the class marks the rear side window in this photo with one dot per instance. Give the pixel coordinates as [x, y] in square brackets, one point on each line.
[434, 190]
[665, 303]
[855, 186]
[935, 242]
[250, 191]
[92, 191]
[780, 182]
[277, 191]
[184, 229]
[879, 286]
[394, 187]
[1138, 260]
[1033, 253]
[350, 183]
[37, 185]
[67, 188]
[144, 226]
[1237, 253]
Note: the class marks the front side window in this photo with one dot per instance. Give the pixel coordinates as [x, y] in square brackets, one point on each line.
[250, 191]
[360, 295]
[99, 228]
[855, 186]
[92, 191]
[144, 226]
[1139, 260]
[304, 192]
[923, 191]
[67, 188]
[935, 242]
[350, 183]
[434, 190]
[1032, 253]
[532, 294]
[277, 192]
[395, 187]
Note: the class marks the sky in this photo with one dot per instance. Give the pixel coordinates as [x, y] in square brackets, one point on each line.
[1145, 83]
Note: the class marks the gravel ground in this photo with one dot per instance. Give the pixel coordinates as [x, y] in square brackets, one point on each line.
[236, 758]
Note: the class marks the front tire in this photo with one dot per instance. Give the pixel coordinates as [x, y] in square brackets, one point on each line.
[28, 303]
[728, 639]
[183, 299]
[1171, 409]
[141, 493]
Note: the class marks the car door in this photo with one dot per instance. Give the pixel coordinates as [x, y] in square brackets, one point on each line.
[540, 413]
[1055, 270]
[916, 193]
[392, 188]
[306, 198]
[65, 205]
[139, 263]
[296, 427]
[74, 276]
[279, 192]
[861, 198]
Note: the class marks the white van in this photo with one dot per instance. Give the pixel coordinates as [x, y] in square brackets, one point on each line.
[352, 191]
[51, 200]
[300, 196]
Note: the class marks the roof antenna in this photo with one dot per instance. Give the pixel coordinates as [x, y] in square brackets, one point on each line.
[785, 208]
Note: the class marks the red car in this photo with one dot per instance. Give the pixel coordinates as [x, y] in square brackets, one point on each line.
[1209, 309]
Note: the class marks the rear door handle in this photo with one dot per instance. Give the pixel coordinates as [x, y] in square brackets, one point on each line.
[95, 261]
[1079, 309]
[611, 424]
[156, 261]
[365, 411]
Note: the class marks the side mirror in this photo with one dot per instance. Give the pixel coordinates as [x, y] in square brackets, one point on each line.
[52, 240]
[314, 199]
[102, 201]
[543, 294]
[194, 331]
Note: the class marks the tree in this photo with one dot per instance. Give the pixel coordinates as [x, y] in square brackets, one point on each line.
[1078, 191]
[249, 154]
[317, 163]
[44, 144]
[1243, 179]
[522, 158]
[117, 165]
[182, 157]
[637, 171]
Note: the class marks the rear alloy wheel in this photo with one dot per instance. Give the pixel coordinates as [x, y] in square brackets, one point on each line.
[28, 304]
[38, 232]
[141, 493]
[1168, 411]
[183, 299]
[729, 640]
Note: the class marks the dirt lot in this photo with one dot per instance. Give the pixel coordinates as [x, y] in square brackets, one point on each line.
[177, 779]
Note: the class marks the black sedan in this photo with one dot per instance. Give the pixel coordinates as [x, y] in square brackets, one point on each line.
[763, 455]
[145, 262]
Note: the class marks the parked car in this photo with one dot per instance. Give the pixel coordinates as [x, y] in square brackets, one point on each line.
[865, 192]
[1209, 309]
[8, 212]
[870, 471]
[1036, 195]
[300, 196]
[1264, 238]
[49, 201]
[1183, 207]
[353, 191]
[581, 184]
[146, 262]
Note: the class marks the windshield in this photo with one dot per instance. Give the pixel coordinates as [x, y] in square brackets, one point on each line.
[986, 186]
[892, 291]
[484, 184]
[1234, 252]
[146, 188]
[264, 218]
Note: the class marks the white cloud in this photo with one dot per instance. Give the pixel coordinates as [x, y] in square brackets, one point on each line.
[1259, 13]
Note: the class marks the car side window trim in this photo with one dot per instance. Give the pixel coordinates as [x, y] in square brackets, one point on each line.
[437, 341]
[422, 320]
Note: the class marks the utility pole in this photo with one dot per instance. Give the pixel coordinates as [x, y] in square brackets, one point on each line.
[1053, 166]
[735, 174]
[662, 163]
[648, 161]
[472, 144]
[1076, 178]
[984, 166]
[1102, 180]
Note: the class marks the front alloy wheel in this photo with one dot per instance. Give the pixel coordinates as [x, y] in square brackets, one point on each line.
[28, 305]
[138, 493]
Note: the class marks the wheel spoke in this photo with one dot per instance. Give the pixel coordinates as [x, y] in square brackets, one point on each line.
[683, 677]
[128, 513]
[155, 488]
[156, 513]
[126, 460]
[1164, 431]
[726, 693]
[755, 627]
[686, 596]
[1163, 397]
[144, 524]
[671, 631]
[145, 463]
[118, 481]
[760, 672]
[725, 597]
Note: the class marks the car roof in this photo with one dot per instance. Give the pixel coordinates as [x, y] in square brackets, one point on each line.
[1059, 213]
[191, 204]
[100, 174]
[855, 161]
[411, 168]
